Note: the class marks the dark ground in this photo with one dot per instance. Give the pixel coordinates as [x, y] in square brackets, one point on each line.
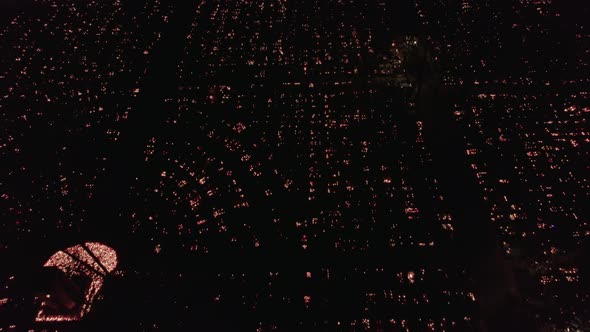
[485, 261]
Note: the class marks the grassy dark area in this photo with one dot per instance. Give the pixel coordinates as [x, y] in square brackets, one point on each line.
[11, 8]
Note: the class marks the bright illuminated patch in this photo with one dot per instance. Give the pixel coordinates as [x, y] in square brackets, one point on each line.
[91, 260]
